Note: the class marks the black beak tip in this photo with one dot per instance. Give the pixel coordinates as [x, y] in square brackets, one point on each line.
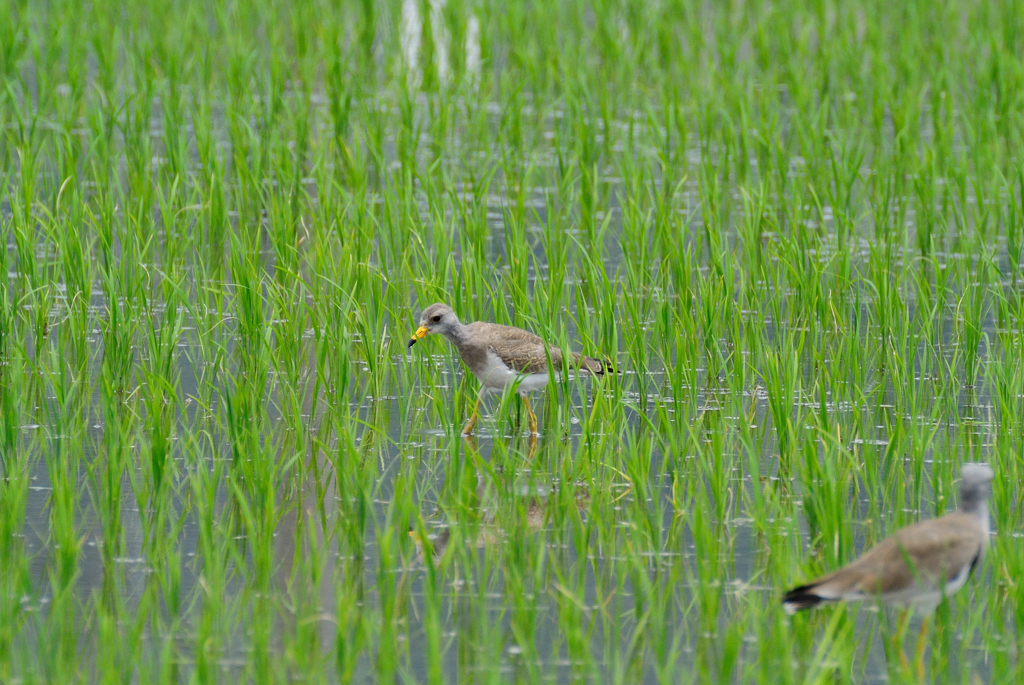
[411, 343]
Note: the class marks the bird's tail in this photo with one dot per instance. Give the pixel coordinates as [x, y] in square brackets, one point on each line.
[800, 598]
[594, 366]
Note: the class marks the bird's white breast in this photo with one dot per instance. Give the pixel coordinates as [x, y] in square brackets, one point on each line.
[495, 375]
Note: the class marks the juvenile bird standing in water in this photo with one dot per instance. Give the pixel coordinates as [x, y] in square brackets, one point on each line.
[501, 356]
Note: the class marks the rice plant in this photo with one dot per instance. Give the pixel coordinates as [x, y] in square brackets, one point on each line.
[794, 228]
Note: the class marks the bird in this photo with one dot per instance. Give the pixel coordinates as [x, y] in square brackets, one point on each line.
[917, 565]
[502, 357]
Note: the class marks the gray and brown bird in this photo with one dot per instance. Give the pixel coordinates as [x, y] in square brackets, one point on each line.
[917, 565]
[502, 356]
[914, 567]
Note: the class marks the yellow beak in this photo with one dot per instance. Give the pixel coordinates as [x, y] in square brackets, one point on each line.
[420, 333]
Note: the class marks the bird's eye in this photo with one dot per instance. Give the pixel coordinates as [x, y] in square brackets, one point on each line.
[436, 318]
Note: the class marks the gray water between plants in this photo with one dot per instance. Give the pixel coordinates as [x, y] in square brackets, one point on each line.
[134, 565]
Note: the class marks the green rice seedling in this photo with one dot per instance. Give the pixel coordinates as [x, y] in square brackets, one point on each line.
[116, 656]
[61, 464]
[782, 382]
[793, 230]
[74, 246]
[106, 478]
[11, 407]
[15, 491]
[211, 623]
[826, 489]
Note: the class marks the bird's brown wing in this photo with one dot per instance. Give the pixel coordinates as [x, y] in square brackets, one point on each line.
[919, 552]
[525, 352]
[527, 357]
[944, 545]
[520, 350]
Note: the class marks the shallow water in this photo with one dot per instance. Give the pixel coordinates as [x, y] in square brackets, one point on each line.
[425, 446]
[793, 375]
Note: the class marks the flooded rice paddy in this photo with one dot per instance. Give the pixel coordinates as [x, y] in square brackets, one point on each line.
[795, 230]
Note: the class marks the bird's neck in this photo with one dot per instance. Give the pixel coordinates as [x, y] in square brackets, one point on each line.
[979, 510]
[456, 334]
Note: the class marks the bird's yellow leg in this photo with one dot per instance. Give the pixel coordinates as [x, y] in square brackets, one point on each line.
[919, 661]
[901, 632]
[471, 424]
[533, 417]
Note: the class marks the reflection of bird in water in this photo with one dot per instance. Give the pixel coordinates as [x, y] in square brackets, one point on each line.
[502, 356]
[437, 543]
[488, 532]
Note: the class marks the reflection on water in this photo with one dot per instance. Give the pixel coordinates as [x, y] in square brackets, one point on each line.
[410, 32]
[522, 497]
[622, 547]
[411, 36]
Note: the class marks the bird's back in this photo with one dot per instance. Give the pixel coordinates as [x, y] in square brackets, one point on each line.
[928, 554]
[520, 350]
